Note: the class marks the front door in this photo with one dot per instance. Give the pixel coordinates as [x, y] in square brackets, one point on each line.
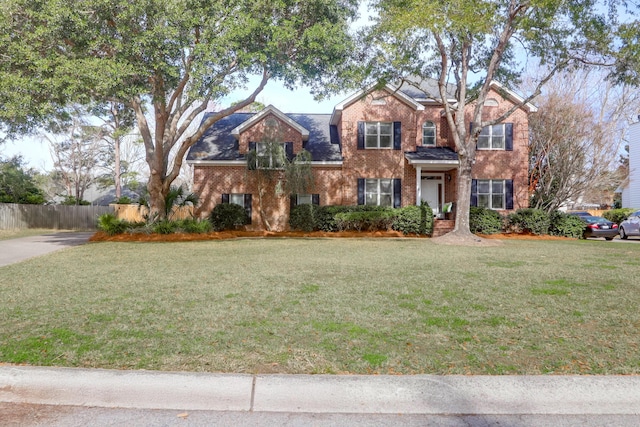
[432, 192]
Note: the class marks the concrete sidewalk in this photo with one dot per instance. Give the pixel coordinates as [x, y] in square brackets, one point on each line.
[17, 250]
[410, 395]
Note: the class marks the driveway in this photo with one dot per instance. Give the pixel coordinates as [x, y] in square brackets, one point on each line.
[16, 250]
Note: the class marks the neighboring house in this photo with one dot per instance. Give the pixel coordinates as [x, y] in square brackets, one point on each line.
[386, 146]
[631, 187]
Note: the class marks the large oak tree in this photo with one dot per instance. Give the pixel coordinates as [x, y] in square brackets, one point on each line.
[165, 59]
[471, 43]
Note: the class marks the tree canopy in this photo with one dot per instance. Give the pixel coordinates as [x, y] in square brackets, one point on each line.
[164, 59]
[17, 184]
[470, 44]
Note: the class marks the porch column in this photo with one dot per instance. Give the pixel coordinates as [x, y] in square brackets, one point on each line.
[418, 185]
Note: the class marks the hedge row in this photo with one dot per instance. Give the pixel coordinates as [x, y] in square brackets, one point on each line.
[408, 220]
[529, 220]
[111, 225]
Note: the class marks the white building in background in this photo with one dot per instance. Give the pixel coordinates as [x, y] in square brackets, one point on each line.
[631, 191]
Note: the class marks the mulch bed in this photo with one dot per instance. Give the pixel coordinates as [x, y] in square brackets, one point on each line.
[222, 235]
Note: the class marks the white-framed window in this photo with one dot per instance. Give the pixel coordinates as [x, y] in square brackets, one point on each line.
[378, 135]
[492, 138]
[429, 134]
[378, 192]
[304, 199]
[491, 193]
[269, 155]
[237, 198]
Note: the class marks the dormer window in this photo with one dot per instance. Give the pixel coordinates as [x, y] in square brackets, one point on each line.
[270, 155]
[429, 134]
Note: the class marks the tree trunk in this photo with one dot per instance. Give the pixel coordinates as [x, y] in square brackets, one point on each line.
[263, 214]
[464, 196]
[156, 193]
[117, 167]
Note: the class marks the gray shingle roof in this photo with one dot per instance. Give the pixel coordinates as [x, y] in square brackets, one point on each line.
[432, 154]
[218, 144]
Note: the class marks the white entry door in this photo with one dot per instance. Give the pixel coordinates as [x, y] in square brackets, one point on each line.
[432, 191]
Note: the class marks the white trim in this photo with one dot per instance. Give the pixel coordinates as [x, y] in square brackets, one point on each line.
[217, 162]
[499, 87]
[270, 110]
[330, 163]
[337, 110]
[427, 163]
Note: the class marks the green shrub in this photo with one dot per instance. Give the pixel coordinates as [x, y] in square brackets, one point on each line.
[228, 216]
[111, 225]
[196, 226]
[325, 216]
[369, 220]
[562, 224]
[165, 226]
[484, 221]
[414, 220]
[302, 217]
[618, 215]
[124, 200]
[531, 220]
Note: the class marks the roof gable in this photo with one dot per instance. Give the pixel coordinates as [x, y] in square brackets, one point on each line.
[394, 91]
[264, 113]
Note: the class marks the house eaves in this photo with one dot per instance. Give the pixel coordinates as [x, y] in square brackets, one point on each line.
[316, 163]
[270, 110]
[512, 96]
[394, 91]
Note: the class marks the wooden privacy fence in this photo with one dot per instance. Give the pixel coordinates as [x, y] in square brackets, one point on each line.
[57, 217]
[137, 213]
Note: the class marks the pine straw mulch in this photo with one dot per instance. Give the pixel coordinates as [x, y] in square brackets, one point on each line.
[448, 239]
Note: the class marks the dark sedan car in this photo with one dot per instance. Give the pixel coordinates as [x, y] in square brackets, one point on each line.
[596, 226]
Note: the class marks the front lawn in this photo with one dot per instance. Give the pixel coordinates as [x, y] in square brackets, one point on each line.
[328, 306]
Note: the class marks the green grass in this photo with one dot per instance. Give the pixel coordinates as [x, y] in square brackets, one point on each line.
[327, 306]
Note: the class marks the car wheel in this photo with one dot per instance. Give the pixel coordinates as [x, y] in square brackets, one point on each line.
[623, 234]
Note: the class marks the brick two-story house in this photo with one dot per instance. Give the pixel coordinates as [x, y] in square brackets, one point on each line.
[388, 146]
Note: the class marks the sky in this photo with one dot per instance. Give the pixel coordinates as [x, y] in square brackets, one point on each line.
[35, 150]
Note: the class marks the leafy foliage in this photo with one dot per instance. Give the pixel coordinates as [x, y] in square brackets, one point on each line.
[111, 225]
[562, 224]
[17, 184]
[618, 215]
[228, 216]
[374, 220]
[414, 219]
[484, 221]
[177, 55]
[72, 201]
[302, 217]
[531, 220]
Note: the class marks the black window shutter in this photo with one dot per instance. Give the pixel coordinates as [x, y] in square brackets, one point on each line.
[508, 135]
[397, 193]
[315, 199]
[225, 198]
[293, 201]
[508, 184]
[288, 149]
[397, 135]
[247, 207]
[361, 191]
[360, 135]
[474, 192]
[252, 146]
